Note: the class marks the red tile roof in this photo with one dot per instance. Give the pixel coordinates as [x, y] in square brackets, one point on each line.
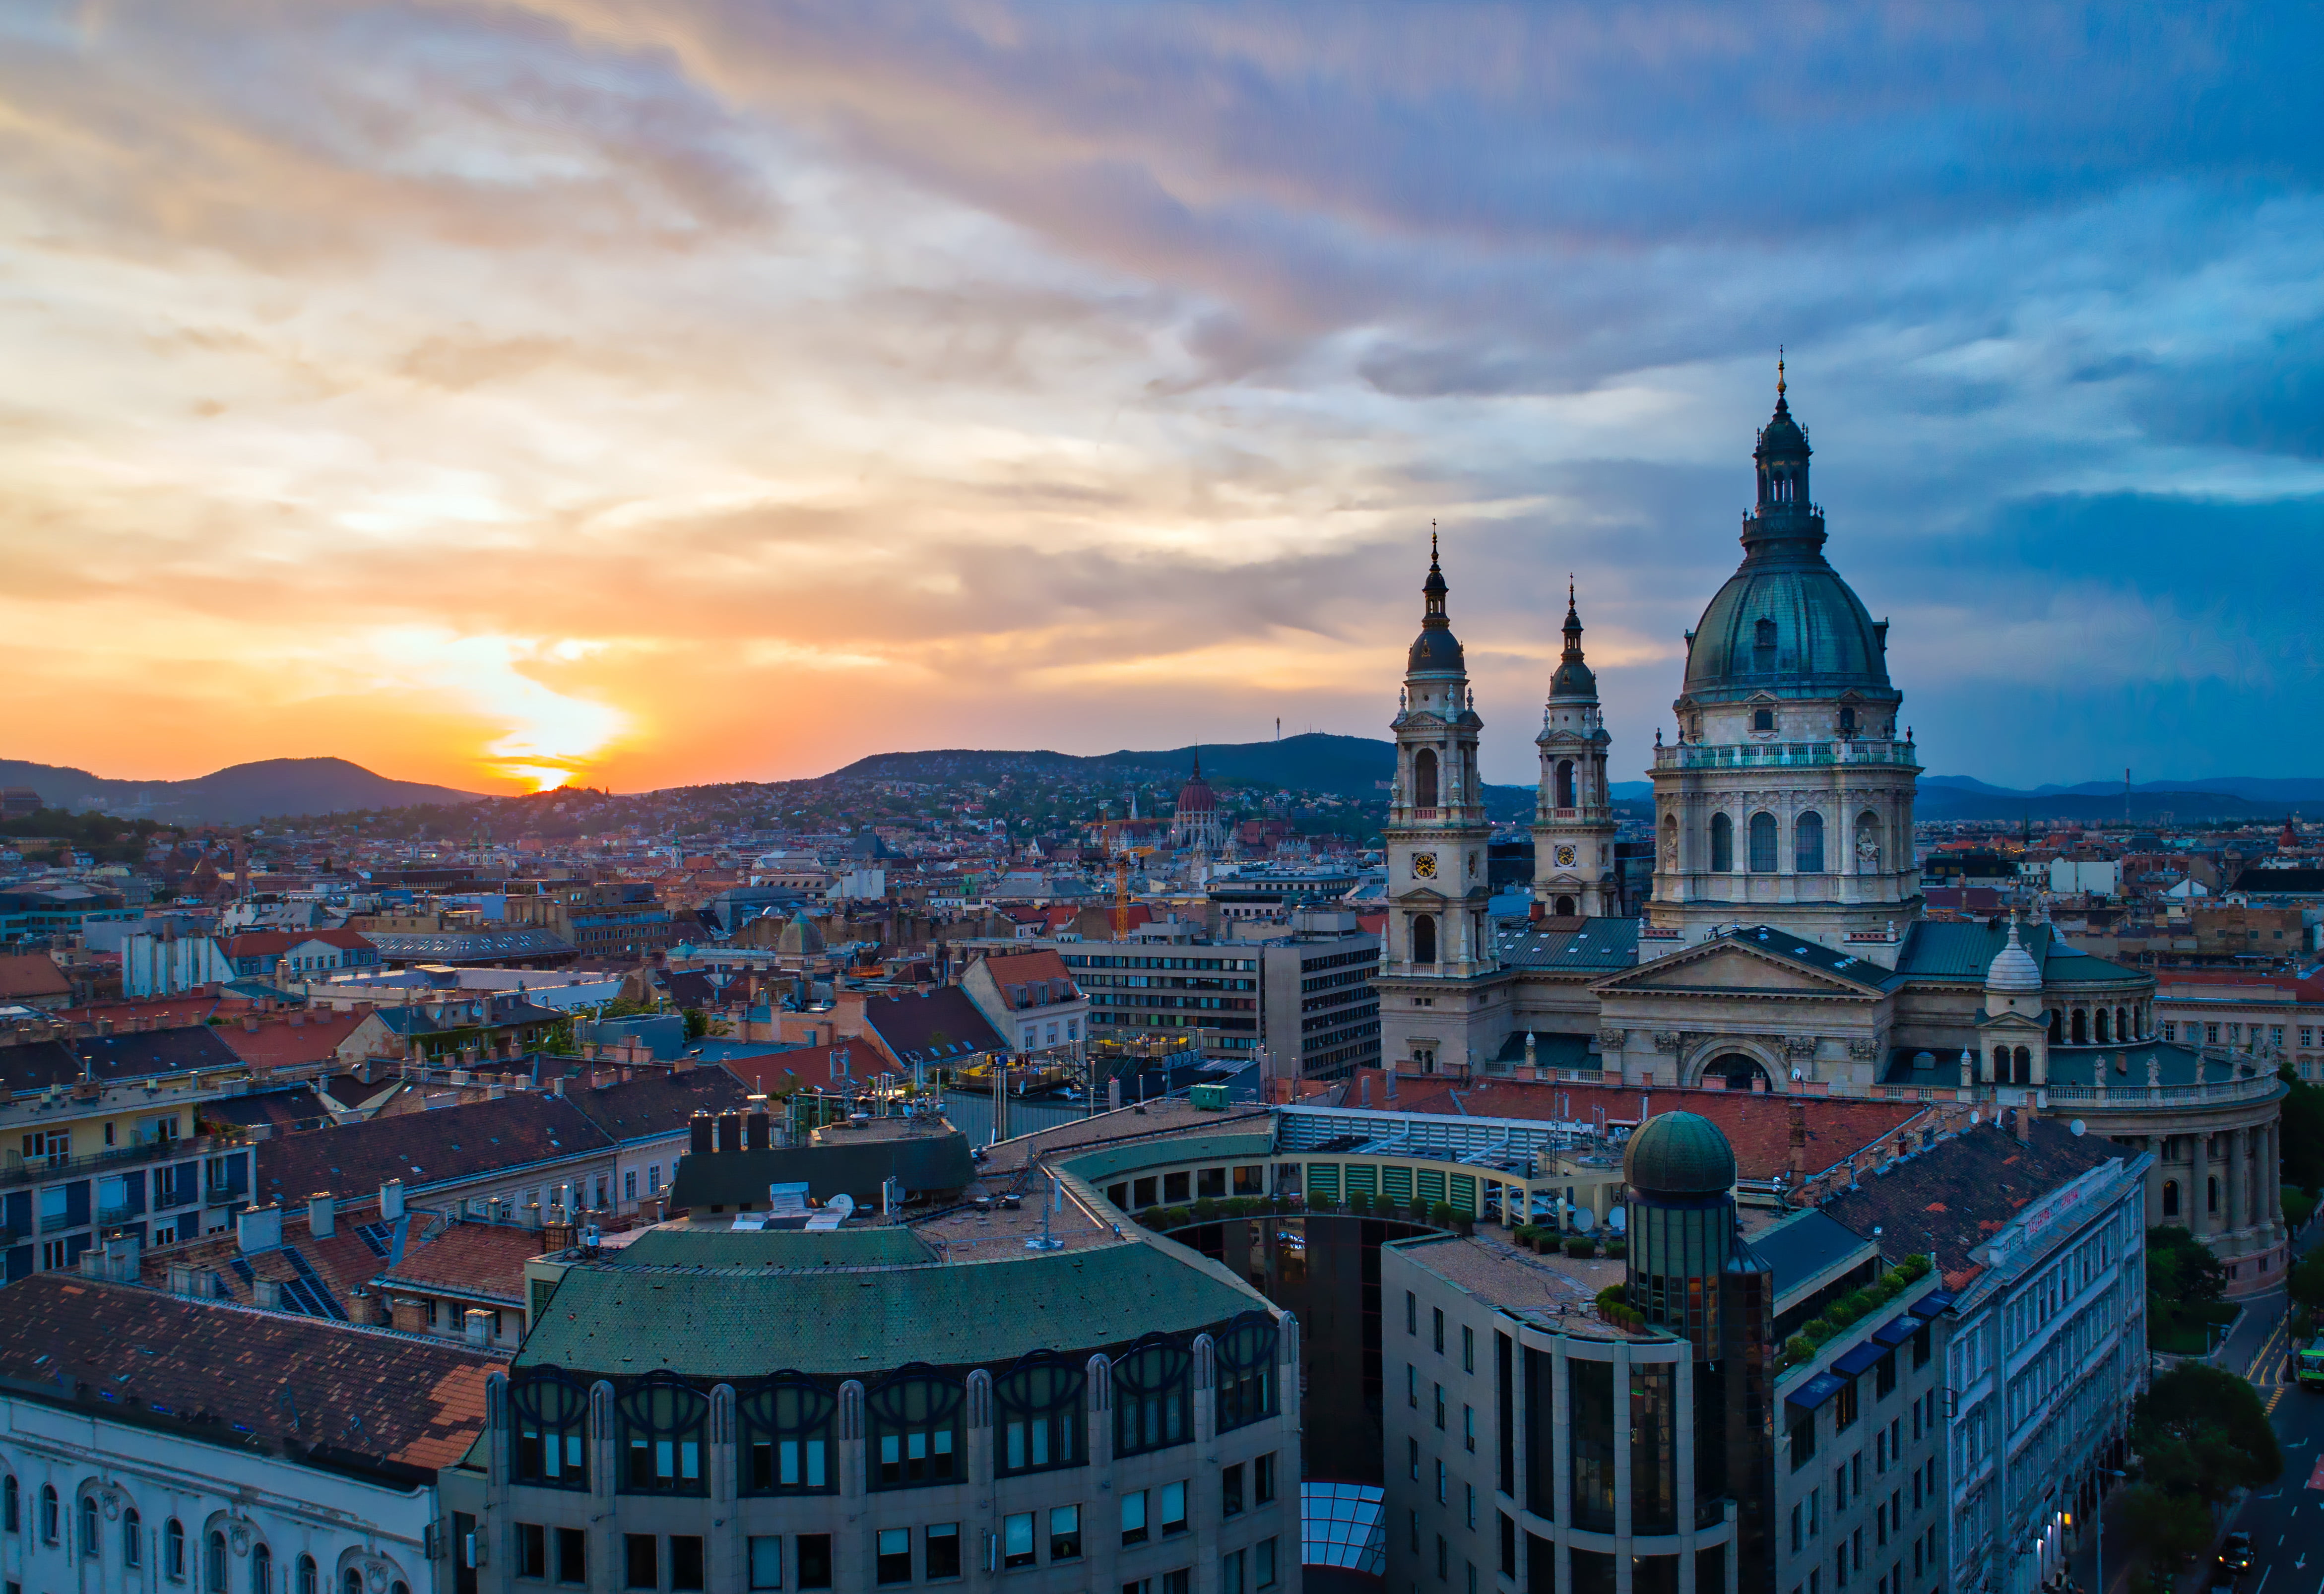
[323, 1393]
[1758, 1124]
[1014, 971]
[278, 1043]
[481, 1260]
[27, 975]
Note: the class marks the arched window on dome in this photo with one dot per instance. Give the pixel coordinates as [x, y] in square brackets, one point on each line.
[1846, 722]
[1565, 907]
[1807, 844]
[2121, 1024]
[1423, 778]
[1423, 938]
[1763, 842]
[2103, 1026]
[1565, 783]
[2057, 1026]
[1763, 635]
[2081, 1028]
[1722, 844]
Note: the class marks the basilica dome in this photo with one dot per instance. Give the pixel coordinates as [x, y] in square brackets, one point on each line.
[1786, 624]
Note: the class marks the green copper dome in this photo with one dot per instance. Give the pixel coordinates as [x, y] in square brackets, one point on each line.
[1786, 624]
[1679, 1154]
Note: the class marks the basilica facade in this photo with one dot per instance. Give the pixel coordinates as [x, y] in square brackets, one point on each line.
[1784, 947]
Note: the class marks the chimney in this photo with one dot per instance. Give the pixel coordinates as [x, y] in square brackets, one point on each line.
[698, 1134]
[757, 1130]
[322, 1214]
[1391, 1084]
[249, 1024]
[1113, 1094]
[363, 1307]
[1364, 1089]
[2021, 1124]
[1798, 1160]
[258, 1229]
[181, 1279]
[408, 1315]
[266, 1294]
[557, 1085]
[391, 1200]
[531, 1214]
[480, 1328]
[730, 1131]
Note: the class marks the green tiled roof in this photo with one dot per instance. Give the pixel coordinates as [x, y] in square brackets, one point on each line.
[775, 1247]
[1108, 1162]
[627, 1321]
[1955, 950]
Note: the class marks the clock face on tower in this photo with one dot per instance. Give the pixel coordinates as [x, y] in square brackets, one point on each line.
[1565, 857]
[1424, 866]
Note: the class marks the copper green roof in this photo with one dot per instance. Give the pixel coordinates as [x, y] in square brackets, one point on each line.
[621, 1322]
[1679, 1154]
[886, 1247]
[1964, 949]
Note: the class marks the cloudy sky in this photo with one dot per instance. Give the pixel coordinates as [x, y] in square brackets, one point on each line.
[725, 389]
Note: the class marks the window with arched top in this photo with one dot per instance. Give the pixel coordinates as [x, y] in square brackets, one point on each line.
[2057, 1026]
[1565, 783]
[1423, 778]
[1039, 1413]
[308, 1575]
[2081, 1028]
[51, 1515]
[2024, 1066]
[351, 1581]
[1564, 907]
[1763, 634]
[1153, 1383]
[2102, 1026]
[2170, 1198]
[913, 1422]
[1763, 844]
[1246, 1355]
[213, 1562]
[789, 1437]
[1846, 722]
[551, 1411]
[1722, 844]
[89, 1531]
[2001, 1065]
[132, 1537]
[1807, 843]
[261, 1569]
[173, 1550]
[1423, 938]
[11, 1505]
[663, 1422]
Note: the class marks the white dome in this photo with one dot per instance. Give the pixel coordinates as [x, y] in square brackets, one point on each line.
[2013, 968]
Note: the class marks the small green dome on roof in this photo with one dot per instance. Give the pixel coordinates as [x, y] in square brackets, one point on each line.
[1679, 1154]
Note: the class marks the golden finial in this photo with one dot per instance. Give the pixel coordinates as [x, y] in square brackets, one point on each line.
[1431, 543]
[1779, 370]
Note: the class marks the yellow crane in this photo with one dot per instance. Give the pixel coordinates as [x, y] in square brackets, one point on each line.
[1121, 887]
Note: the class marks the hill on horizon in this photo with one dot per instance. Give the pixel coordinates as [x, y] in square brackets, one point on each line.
[236, 795]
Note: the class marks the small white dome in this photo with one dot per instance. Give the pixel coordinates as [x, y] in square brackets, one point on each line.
[2013, 968]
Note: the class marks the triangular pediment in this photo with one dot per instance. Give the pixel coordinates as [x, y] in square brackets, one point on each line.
[1735, 964]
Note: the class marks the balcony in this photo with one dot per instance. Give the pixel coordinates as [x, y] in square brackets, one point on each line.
[1765, 755]
[16, 1168]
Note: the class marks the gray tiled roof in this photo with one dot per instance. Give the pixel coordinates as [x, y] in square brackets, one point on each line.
[1601, 946]
[623, 1323]
[1800, 1247]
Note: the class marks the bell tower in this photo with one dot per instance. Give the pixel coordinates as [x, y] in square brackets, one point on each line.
[1573, 819]
[1439, 935]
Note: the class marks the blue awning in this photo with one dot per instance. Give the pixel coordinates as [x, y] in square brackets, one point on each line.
[1862, 1359]
[1897, 1328]
[1932, 1304]
[1814, 1392]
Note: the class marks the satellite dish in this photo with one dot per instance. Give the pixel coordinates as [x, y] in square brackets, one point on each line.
[1975, 1118]
[1584, 1220]
[2079, 1127]
[1619, 1220]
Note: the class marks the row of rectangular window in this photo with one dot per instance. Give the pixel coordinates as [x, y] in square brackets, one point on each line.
[808, 1564]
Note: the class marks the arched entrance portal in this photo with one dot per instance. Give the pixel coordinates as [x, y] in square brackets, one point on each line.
[1565, 907]
[1737, 1073]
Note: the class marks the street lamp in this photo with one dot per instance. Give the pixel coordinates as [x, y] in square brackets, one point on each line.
[2098, 1529]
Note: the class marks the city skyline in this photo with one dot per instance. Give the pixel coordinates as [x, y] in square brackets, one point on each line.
[499, 395]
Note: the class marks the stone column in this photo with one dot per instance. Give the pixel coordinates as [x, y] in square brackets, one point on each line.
[2199, 1189]
[2239, 1200]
